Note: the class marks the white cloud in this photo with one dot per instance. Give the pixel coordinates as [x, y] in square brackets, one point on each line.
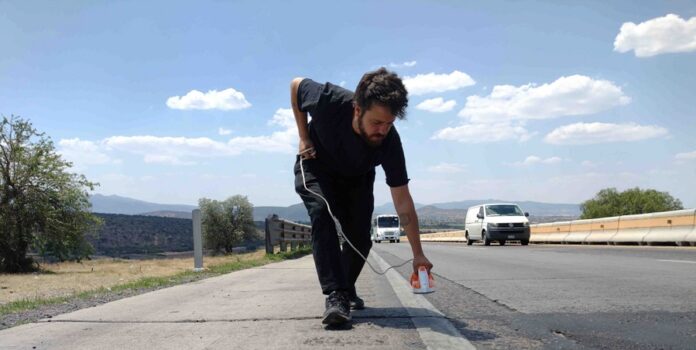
[165, 159]
[567, 96]
[228, 99]
[179, 150]
[481, 133]
[431, 82]
[278, 142]
[283, 117]
[685, 156]
[447, 168]
[592, 133]
[532, 160]
[284, 141]
[589, 164]
[342, 83]
[160, 147]
[223, 131]
[437, 105]
[662, 172]
[402, 65]
[668, 34]
[83, 153]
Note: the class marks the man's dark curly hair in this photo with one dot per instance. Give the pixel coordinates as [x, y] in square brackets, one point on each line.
[383, 87]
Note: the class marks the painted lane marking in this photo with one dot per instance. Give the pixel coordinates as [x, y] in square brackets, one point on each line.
[436, 331]
[679, 261]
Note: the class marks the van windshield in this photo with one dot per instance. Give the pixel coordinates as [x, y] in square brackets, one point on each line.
[503, 210]
[388, 221]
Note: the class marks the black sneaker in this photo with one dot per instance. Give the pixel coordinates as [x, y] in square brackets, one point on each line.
[356, 303]
[337, 309]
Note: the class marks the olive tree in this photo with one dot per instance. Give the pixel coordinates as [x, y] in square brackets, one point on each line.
[609, 202]
[227, 223]
[43, 207]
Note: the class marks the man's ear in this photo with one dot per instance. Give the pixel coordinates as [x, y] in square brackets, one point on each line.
[356, 111]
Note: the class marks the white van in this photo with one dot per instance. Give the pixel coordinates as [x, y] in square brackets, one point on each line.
[500, 222]
[386, 227]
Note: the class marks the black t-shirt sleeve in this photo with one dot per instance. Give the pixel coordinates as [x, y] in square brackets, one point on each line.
[394, 163]
[308, 95]
[321, 99]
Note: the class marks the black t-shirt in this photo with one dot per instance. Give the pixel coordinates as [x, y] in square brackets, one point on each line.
[338, 147]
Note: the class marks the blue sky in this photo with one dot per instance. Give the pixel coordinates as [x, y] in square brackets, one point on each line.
[173, 101]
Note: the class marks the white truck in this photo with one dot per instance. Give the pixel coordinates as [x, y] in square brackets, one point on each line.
[386, 227]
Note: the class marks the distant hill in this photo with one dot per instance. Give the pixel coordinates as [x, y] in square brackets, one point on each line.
[295, 212]
[123, 205]
[388, 208]
[533, 208]
[447, 212]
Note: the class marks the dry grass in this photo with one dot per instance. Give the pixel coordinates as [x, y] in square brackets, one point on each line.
[69, 278]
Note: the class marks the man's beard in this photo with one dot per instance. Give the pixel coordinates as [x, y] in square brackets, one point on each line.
[374, 140]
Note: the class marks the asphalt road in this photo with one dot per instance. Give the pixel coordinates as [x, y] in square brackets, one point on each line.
[569, 297]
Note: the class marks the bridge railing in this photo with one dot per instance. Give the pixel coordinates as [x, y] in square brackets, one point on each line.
[286, 233]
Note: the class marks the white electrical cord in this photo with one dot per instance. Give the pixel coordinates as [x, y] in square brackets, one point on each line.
[339, 229]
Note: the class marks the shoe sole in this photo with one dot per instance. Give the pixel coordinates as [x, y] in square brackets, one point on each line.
[357, 307]
[335, 318]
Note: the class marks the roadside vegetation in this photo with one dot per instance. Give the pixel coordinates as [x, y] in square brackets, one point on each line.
[43, 206]
[228, 223]
[610, 202]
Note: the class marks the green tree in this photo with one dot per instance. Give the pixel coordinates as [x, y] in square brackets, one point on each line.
[43, 207]
[609, 202]
[227, 223]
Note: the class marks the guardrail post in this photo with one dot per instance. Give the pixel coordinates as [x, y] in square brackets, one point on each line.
[269, 244]
[197, 241]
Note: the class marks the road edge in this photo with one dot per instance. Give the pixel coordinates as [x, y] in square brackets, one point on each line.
[434, 329]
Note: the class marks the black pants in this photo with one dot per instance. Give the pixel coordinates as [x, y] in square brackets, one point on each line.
[352, 202]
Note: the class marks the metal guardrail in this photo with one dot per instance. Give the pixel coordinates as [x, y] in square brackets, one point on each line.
[281, 232]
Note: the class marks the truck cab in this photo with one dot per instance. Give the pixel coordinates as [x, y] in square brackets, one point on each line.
[386, 227]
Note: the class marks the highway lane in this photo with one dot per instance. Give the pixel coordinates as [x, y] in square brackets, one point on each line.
[544, 296]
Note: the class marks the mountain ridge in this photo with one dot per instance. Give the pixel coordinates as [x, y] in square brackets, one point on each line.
[114, 204]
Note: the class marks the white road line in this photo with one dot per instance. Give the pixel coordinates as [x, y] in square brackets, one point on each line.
[679, 261]
[436, 331]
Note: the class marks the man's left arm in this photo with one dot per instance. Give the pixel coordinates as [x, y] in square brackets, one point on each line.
[409, 221]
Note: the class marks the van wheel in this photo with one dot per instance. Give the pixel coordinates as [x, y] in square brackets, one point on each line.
[524, 242]
[502, 242]
[378, 241]
[486, 240]
[468, 239]
[398, 240]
